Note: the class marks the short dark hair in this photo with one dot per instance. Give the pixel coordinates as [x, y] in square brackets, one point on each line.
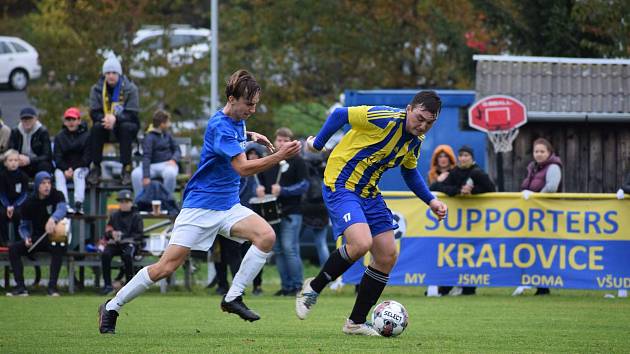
[429, 100]
[545, 142]
[160, 116]
[284, 132]
[242, 84]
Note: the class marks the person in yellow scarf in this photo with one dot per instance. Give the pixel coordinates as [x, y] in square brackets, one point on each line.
[114, 107]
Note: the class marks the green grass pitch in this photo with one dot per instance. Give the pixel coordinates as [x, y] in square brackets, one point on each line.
[182, 322]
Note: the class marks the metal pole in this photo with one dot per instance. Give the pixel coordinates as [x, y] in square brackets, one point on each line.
[214, 55]
[500, 183]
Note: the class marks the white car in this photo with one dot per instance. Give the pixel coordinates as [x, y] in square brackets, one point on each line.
[18, 62]
[181, 44]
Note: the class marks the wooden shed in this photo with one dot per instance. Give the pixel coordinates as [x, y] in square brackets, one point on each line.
[582, 106]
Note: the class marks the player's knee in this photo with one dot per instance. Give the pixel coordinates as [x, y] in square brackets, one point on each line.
[265, 237]
[359, 247]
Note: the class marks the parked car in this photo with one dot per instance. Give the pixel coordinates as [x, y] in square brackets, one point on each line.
[19, 62]
[181, 44]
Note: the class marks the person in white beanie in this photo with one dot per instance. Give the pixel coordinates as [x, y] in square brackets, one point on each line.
[114, 108]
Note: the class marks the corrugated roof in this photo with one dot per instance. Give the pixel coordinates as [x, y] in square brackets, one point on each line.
[546, 84]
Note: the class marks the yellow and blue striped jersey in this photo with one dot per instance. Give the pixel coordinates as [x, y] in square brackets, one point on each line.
[376, 142]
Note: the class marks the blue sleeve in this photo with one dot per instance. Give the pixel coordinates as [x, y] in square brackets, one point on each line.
[21, 199]
[417, 185]
[226, 143]
[60, 211]
[4, 200]
[337, 119]
[295, 189]
[25, 229]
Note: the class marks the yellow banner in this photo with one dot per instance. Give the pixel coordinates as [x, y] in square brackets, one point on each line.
[569, 216]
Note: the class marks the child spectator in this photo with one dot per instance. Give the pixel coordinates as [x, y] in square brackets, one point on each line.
[123, 234]
[13, 193]
[72, 157]
[160, 154]
[42, 213]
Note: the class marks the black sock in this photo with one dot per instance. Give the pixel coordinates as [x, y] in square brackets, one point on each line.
[337, 264]
[370, 289]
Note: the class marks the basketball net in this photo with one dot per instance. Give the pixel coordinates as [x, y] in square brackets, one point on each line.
[502, 139]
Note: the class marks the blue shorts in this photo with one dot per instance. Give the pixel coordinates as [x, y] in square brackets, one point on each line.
[346, 208]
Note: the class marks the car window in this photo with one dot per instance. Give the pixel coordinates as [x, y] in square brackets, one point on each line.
[151, 43]
[180, 40]
[19, 48]
[4, 48]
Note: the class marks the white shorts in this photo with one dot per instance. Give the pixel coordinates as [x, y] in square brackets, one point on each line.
[197, 228]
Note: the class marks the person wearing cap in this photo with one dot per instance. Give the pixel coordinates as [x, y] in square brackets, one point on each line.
[5, 136]
[465, 179]
[160, 154]
[30, 138]
[42, 212]
[72, 157]
[114, 109]
[123, 234]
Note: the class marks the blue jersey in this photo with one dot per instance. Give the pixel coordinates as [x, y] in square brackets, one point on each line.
[215, 184]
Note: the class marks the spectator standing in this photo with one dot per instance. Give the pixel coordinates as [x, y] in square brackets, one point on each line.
[123, 234]
[13, 193]
[42, 215]
[314, 210]
[114, 108]
[442, 162]
[160, 154]
[288, 186]
[465, 179]
[72, 157]
[544, 175]
[30, 138]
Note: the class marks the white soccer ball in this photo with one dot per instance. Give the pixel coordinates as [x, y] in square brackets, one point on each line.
[390, 318]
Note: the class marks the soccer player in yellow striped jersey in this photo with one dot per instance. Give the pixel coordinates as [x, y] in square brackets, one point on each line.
[380, 138]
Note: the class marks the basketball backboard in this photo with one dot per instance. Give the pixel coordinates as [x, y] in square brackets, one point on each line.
[497, 112]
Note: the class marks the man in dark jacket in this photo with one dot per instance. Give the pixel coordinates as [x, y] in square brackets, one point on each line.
[72, 157]
[32, 141]
[5, 136]
[114, 107]
[465, 179]
[160, 154]
[288, 183]
[123, 233]
[42, 213]
[13, 193]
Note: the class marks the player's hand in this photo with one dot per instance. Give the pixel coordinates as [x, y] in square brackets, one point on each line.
[260, 191]
[275, 189]
[28, 242]
[438, 208]
[10, 212]
[309, 144]
[290, 149]
[50, 226]
[262, 140]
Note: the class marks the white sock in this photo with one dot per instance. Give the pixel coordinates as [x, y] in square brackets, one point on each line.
[251, 265]
[622, 293]
[136, 286]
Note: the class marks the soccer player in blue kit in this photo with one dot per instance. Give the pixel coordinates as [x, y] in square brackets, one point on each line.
[380, 138]
[211, 204]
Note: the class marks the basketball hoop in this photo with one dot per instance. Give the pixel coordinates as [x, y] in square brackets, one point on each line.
[502, 139]
[500, 117]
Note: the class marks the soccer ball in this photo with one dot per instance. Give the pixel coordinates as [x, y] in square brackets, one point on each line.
[389, 318]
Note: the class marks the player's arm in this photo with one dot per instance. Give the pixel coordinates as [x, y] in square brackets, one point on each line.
[337, 119]
[245, 167]
[416, 184]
